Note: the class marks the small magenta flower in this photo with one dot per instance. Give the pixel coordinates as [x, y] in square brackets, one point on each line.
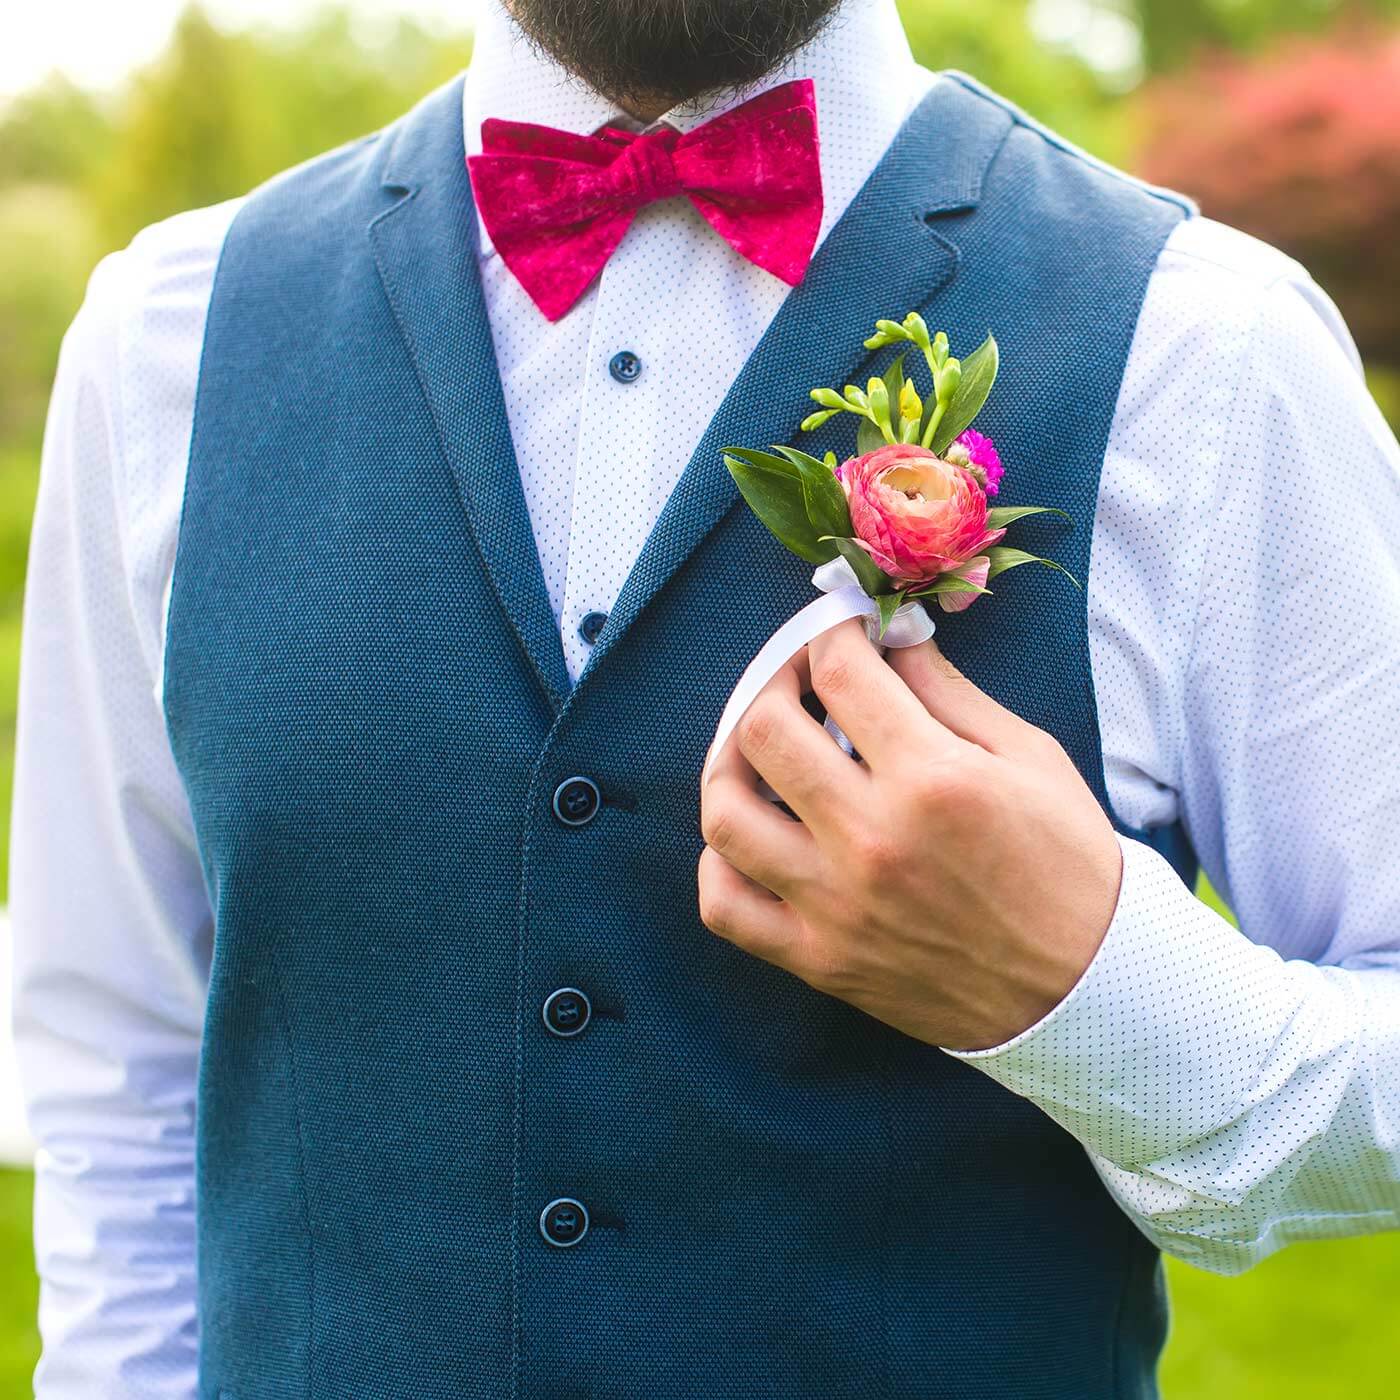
[978, 454]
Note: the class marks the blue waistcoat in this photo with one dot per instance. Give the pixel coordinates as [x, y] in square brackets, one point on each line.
[368, 703]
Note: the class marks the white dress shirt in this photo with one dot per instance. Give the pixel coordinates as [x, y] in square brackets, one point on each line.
[1236, 1090]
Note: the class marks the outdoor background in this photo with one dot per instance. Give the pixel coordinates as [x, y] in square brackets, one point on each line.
[1280, 116]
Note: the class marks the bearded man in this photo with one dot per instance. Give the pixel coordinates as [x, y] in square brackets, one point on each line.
[387, 588]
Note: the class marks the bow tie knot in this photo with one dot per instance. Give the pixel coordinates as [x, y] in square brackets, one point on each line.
[645, 171]
[557, 204]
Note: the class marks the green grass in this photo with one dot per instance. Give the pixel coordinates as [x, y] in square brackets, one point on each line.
[1315, 1322]
[19, 1291]
[1312, 1323]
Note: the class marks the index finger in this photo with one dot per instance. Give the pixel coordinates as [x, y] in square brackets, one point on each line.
[879, 713]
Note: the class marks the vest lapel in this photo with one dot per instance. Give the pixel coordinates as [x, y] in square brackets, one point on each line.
[886, 255]
[425, 249]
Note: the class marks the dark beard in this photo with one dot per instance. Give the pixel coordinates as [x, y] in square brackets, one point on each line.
[656, 53]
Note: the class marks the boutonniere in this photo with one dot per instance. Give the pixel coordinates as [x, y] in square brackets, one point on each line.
[910, 512]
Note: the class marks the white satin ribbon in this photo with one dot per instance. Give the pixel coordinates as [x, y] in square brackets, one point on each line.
[842, 598]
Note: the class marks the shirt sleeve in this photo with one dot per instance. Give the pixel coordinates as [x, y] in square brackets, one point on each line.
[1239, 1089]
[111, 920]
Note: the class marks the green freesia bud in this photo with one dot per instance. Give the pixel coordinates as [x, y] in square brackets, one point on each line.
[814, 421]
[916, 330]
[828, 398]
[910, 431]
[940, 349]
[876, 342]
[856, 397]
[891, 330]
[830, 460]
[949, 380]
[878, 396]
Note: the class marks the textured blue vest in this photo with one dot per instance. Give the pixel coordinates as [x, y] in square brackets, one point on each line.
[368, 703]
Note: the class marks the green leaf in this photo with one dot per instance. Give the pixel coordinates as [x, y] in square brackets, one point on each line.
[1004, 558]
[889, 604]
[803, 461]
[999, 517]
[949, 583]
[868, 437]
[871, 577]
[765, 461]
[979, 373]
[894, 384]
[822, 495]
[774, 490]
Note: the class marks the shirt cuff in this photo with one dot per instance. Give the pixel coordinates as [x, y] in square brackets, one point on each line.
[1166, 1033]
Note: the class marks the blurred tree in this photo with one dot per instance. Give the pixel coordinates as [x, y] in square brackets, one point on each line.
[1175, 31]
[46, 251]
[55, 133]
[220, 112]
[993, 40]
[1300, 146]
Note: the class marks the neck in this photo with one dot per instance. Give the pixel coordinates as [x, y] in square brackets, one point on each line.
[646, 109]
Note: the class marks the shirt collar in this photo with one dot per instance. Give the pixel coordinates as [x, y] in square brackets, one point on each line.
[860, 63]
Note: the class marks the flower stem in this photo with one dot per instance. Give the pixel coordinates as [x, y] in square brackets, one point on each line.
[935, 418]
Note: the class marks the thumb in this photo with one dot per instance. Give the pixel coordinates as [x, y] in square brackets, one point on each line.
[955, 702]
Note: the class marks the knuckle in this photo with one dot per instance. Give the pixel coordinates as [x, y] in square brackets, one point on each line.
[935, 786]
[716, 909]
[832, 673]
[874, 853]
[717, 824]
[758, 727]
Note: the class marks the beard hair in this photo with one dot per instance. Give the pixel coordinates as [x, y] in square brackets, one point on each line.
[661, 52]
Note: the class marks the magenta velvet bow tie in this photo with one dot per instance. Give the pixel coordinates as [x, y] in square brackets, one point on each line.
[556, 205]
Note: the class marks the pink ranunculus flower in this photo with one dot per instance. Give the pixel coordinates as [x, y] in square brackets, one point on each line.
[917, 515]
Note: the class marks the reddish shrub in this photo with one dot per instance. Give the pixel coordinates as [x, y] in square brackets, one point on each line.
[1301, 147]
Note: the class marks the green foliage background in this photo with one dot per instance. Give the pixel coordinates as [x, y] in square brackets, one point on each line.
[220, 111]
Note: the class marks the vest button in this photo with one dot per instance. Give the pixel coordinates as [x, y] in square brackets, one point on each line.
[576, 801]
[564, 1222]
[591, 626]
[567, 1012]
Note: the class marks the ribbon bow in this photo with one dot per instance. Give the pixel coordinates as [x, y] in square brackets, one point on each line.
[557, 205]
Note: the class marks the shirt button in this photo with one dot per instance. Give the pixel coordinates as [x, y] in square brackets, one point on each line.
[567, 1012]
[625, 366]
[591, 626]
[576, 801]
[564, 1222]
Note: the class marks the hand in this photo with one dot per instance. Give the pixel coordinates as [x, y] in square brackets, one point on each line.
[955, 883]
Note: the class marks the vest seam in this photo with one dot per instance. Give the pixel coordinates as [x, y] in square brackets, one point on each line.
[302, 1188]
[518, 1118]
[1082, 643]
[1065, 147]
[885, 1088]
[1138, 1268]
[196, 420]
